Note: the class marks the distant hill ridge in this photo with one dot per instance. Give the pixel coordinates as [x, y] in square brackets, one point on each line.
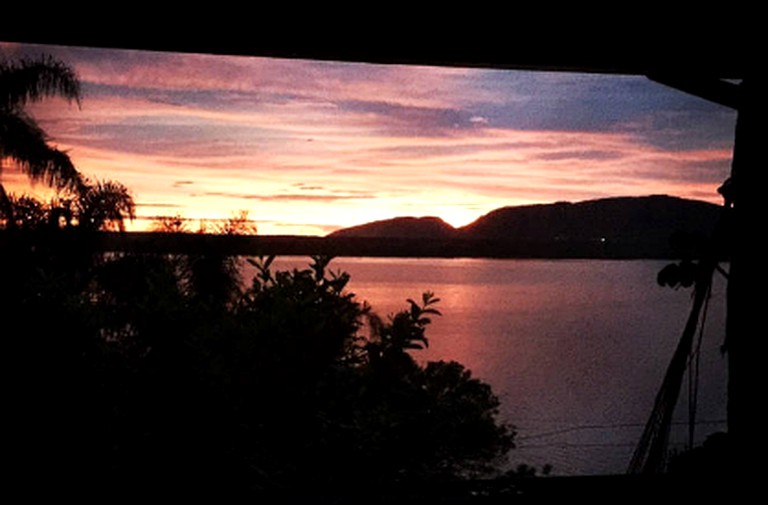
[400, 227]
[612, 228]
[649, 219]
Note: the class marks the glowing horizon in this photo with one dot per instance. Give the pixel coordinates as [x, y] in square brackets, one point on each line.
[307, 147]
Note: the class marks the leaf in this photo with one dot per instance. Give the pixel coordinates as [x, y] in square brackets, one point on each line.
[415, 309]
[428, 298]
[669, 276]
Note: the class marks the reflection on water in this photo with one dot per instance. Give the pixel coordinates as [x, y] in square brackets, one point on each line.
[576, 350]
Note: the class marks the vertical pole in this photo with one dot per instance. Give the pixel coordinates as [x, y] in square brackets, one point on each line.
[747, 311]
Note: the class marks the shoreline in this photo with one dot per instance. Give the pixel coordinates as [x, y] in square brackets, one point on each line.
[396, 247]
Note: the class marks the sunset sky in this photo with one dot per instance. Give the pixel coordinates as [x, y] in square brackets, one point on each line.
[307, 147]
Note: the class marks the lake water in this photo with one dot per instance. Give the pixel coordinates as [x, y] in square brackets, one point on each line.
[575, 349]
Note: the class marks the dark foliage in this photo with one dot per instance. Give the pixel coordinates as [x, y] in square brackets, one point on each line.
[126, 379]
[101, 205]
[21, 139]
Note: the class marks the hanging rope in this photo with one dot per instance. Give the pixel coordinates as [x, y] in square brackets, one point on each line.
[693, 374]
[651, 452]
[650, 455]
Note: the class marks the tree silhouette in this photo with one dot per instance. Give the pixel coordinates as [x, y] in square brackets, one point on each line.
[24, 212]
[54, 331]
[170, 224]
[21, 139]
[237, 224]
[104, 205]
[404, 331]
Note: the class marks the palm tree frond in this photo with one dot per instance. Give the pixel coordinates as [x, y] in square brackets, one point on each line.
[105, 204]
[29, 80]
[6, 206]
[23, 141]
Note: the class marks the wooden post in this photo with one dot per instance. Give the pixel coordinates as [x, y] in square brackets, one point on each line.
[747, 312]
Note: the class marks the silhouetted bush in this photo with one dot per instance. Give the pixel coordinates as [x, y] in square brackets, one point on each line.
[128, 380]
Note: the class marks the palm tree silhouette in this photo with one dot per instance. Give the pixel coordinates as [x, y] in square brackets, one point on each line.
[104, 205]
[22, 141]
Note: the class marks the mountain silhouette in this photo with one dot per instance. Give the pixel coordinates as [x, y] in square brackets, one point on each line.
[622, 227]
[401, 227]
[656, 225]
[649, 218]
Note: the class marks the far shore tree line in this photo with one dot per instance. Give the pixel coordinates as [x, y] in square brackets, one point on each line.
[104, 206]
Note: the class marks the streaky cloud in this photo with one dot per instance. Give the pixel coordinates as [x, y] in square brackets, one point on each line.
[587, 154]
[288, 197]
